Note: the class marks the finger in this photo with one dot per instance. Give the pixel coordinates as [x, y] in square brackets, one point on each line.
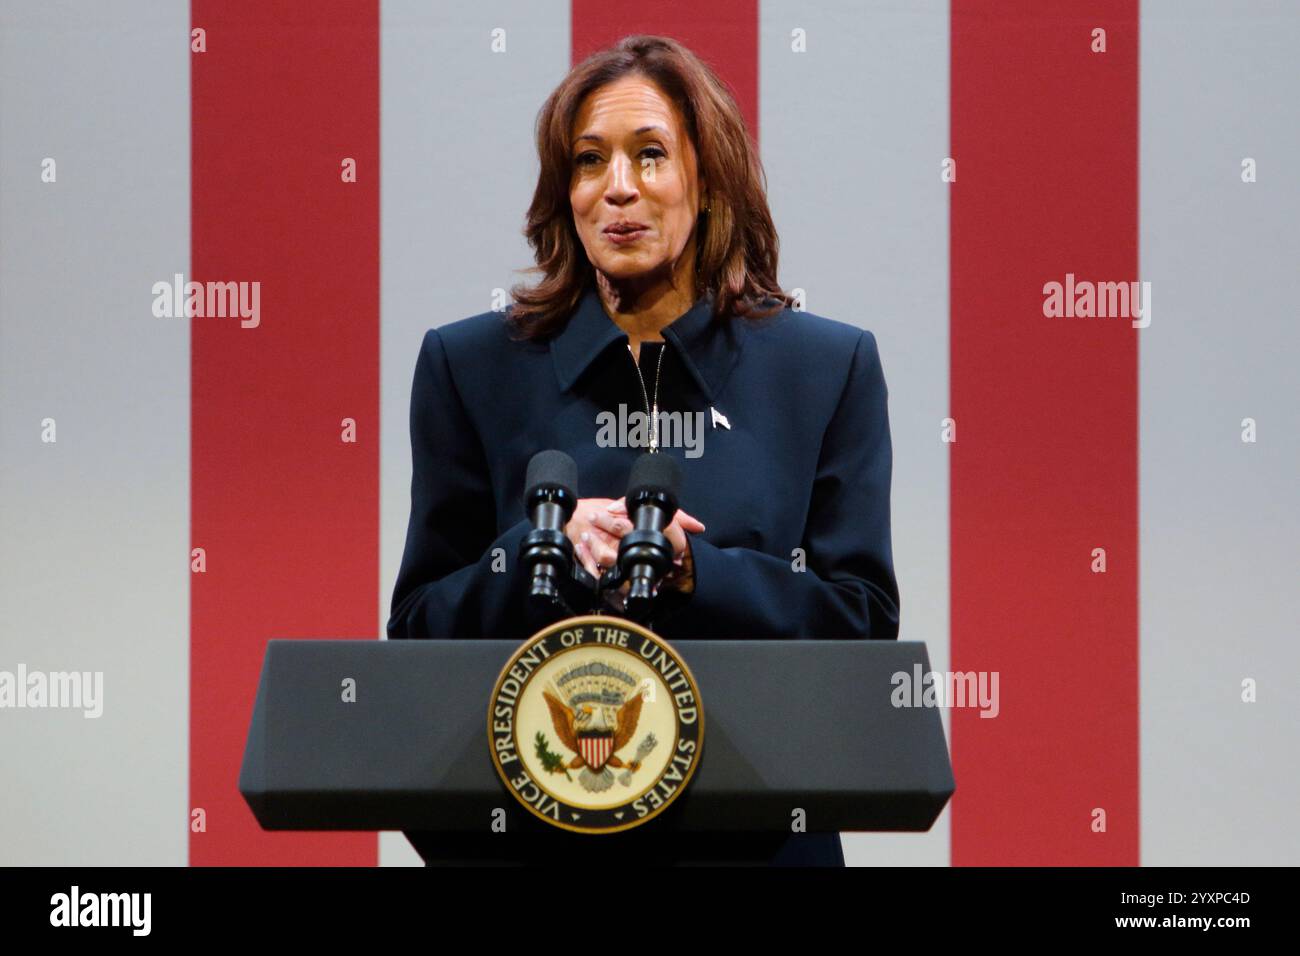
[584, 556]
[603, 553]
[677, 537]
[618, 507]
[598, 548]
[603, 538]
[612, 524]
[689, 522]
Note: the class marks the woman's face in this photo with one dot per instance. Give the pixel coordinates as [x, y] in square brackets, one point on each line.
[633, 162]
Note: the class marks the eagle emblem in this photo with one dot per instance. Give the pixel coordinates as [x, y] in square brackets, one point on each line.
[595, 708]
[595, 724]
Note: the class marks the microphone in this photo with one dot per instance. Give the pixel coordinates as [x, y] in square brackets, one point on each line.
[645, 554]
[549, 499]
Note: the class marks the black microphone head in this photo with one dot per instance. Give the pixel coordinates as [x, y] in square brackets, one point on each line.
[551, 469]
[656, 474]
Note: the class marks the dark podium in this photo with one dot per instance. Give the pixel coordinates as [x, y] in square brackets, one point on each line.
[789, 726]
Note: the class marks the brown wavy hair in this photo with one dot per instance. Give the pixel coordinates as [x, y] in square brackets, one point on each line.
[736, 245]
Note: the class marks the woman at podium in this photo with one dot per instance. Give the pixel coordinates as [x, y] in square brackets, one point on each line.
[657, 324]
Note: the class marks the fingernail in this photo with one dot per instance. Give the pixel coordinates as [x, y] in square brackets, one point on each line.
[612, 506]
[585, 537]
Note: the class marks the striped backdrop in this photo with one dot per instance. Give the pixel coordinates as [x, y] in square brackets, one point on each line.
[1121, 692]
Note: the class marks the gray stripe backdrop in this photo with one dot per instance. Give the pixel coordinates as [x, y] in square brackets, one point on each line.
[1219, 520]
[94, 528]
[853, 132]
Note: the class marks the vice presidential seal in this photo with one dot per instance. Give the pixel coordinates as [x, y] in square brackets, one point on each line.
[595, 724]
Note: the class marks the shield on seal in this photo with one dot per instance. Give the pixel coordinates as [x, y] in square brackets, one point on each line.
[596, 747]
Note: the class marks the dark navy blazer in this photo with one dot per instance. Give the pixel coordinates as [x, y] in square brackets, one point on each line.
[800, 479]
[805, 464]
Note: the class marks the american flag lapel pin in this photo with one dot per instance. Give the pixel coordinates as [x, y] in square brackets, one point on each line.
[719, 417]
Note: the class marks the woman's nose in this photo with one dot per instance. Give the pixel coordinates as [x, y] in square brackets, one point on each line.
[622, 177]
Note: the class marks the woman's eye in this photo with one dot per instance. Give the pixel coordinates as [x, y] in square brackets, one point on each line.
[586, 159]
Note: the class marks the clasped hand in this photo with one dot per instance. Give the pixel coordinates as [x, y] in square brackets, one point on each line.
[599, 524]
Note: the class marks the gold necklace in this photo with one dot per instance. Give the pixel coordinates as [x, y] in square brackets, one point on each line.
[653, 413]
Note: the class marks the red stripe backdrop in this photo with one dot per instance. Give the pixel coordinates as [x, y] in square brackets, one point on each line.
[287, 511]
[1044, 470]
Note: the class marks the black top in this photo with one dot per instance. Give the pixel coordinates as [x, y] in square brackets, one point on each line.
[615, 382]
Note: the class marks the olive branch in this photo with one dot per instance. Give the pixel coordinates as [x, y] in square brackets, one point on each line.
[551, 762]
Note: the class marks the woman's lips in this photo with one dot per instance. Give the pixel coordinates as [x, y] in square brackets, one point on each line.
[623, 238]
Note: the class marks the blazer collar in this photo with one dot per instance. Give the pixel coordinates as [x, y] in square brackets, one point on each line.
[709, 349]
